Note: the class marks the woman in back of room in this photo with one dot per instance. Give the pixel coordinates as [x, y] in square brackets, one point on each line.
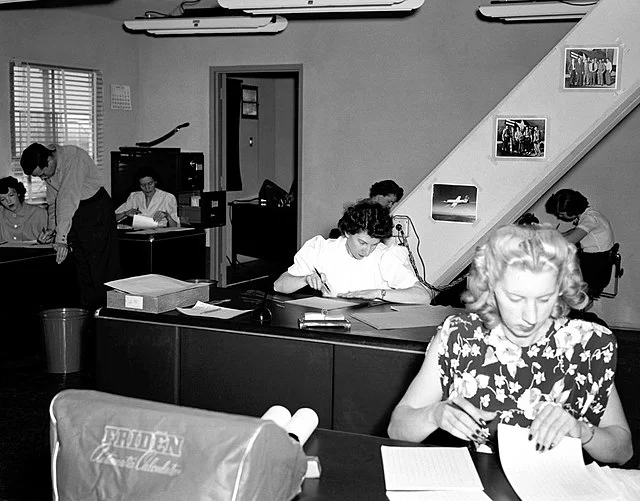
[357, 264]
[515, 358]
[150, 201]
[19, 221]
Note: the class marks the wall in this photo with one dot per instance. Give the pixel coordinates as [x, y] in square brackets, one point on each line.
[58, 36]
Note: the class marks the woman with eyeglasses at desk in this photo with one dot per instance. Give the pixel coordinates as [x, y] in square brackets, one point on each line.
[515, 358]
[150, 201]
[357, 264]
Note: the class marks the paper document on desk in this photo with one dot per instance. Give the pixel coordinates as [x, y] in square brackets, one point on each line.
[201, 309]
[405, 316]
[323, 303]
[152, 285]
[559, 473]
[429, 469]
[25, 243]
[144, 222]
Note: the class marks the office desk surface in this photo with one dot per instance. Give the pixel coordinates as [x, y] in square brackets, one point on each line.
[284, 322]
[10, 255]
[352, 469]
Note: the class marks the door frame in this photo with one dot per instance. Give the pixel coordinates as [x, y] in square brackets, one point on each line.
[217, 151]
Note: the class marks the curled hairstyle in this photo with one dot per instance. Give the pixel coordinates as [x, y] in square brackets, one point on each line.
[147, 171]
[386, 187]
[532, 248]
[572, 202]
[12, 182]
[366, 216]
[34, 156]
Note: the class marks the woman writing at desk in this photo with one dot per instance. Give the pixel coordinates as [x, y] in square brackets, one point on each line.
[357, 264]
[515, 358]
[19, 221]
[150, 201]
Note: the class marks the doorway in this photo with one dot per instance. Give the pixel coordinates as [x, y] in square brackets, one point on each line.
[255, 143]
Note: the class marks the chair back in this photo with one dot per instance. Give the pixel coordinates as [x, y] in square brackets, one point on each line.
[616, 262]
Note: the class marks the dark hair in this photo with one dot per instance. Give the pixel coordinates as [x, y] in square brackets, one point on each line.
[386, 187]
[12, 182]
[147, 171]
[528, 218]
[34, 156]
[366, 216]
[572, 202]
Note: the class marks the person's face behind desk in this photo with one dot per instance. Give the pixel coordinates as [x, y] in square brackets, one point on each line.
[10, 200]
[525, 301]
[148, 186]
[360, 245]
[387, 201]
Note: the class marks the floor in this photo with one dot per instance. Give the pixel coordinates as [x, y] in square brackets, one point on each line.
[26, 389]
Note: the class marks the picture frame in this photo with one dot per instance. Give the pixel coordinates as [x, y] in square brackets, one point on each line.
[250, 102]
[520, 137]
[591, 68]
[454, 203]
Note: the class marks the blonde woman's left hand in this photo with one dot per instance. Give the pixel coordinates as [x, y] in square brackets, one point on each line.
[363, 294]
[550, 425]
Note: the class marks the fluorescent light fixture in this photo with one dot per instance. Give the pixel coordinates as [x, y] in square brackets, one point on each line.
[510, 11]
[3, 2]
[320, 6]
[221, 25]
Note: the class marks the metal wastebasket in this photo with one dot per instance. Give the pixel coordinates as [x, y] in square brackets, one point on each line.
[63, 331]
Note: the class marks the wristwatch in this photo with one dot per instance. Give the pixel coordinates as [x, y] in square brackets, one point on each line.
[383, 293]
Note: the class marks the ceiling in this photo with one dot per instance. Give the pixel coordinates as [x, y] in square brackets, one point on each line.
[115, 9]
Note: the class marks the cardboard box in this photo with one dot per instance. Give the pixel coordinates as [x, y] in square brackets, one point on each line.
[157, 304]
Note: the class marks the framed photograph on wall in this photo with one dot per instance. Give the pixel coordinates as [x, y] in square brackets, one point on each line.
[592, 68]
[520, 137]
[250, 101]
[454, 203]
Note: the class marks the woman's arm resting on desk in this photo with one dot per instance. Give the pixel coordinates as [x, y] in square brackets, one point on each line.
[422, 410]
[287, 283]
[416, 294]
[574, 235]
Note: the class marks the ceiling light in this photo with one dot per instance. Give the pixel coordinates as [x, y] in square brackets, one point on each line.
[221, 25]
[320, 6]
[536, 10]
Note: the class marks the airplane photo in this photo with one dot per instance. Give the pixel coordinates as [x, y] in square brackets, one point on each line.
[453, 202]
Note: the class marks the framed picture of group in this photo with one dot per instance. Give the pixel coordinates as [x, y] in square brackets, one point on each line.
[594, 68]
[520, 137]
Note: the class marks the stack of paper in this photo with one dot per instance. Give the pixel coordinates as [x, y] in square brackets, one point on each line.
[556, 474]
[430, 473]
[152, 285]
[201, 309]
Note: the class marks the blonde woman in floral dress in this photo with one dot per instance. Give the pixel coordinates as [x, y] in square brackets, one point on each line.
[515, 358]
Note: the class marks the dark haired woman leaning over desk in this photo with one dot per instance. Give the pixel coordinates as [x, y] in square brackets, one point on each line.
[515, 358]
[357, 264]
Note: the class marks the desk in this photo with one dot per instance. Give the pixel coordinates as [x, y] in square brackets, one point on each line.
[352, 469]
[352, 379]
[263, 232]
[32, 282]
[178, 254]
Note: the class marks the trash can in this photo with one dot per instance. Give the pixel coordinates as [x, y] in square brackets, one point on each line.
[63, 330]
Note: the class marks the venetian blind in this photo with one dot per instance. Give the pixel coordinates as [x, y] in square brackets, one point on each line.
[53, 104]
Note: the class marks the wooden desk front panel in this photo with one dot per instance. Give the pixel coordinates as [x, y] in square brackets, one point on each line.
[368, 384]
[247, 374]
[139, 360]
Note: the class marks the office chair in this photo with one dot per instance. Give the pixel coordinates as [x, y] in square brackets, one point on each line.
[616, 262]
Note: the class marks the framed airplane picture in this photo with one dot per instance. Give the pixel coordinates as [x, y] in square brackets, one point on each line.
[454, 203]
[591, 68]
[520, 137]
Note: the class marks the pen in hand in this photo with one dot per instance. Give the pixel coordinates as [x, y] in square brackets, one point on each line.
[484, 431]
[324, 284]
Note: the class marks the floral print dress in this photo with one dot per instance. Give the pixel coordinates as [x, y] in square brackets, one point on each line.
[573, 366]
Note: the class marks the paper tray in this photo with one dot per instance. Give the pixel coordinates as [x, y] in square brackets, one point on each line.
[323, 324]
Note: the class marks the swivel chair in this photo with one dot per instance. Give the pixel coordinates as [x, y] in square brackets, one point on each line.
[618, 271]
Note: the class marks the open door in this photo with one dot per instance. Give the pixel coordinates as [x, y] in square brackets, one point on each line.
[255, 137]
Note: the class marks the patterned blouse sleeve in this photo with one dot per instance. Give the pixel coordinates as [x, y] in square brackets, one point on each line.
[599, 359]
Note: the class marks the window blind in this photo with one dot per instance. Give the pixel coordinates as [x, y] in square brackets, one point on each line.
[53, 104]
